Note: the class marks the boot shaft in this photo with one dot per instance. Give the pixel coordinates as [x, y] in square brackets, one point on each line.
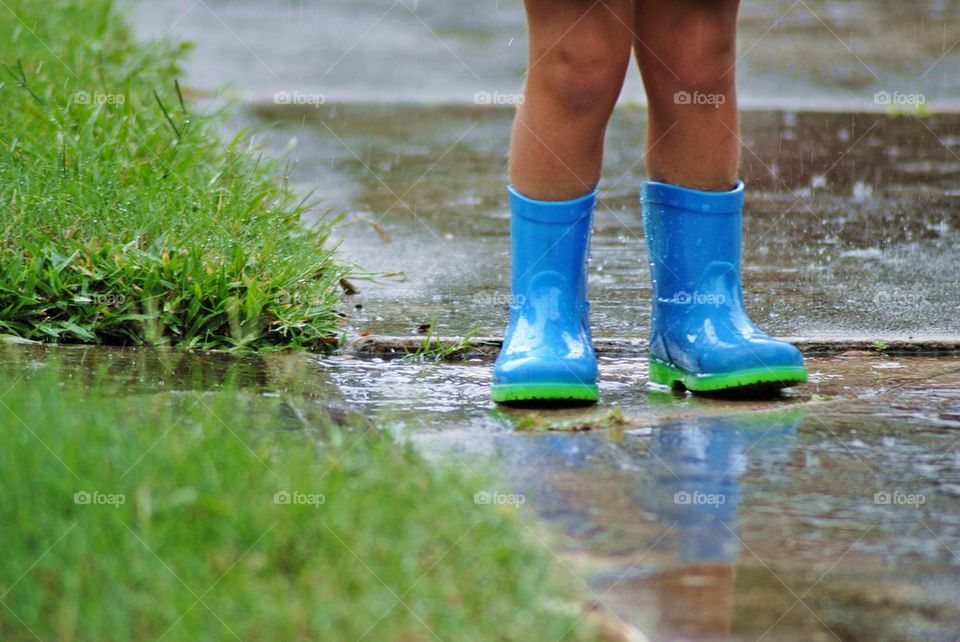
[550, 237]
[692, 236]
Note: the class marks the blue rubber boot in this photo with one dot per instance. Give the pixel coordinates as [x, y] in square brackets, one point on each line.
[547, 353]
[701, 338]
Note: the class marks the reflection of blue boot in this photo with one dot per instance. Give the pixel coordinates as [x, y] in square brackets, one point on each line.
[547, 352]
[701, 338]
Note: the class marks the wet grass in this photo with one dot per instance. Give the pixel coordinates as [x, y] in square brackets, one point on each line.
[434, 348]
[126, 220]
[219, 514]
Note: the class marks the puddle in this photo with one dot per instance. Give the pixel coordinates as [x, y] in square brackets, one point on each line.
[753, 526]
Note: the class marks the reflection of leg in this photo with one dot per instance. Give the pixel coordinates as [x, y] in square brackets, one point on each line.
[696, 599]
[579, 52]
[702, 462]
[687, 52]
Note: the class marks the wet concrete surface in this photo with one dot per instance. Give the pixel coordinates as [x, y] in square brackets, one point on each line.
[850, 219]
[850, 215]
[796, 53]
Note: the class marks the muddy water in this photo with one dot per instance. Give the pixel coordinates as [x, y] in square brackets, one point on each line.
[760, 525]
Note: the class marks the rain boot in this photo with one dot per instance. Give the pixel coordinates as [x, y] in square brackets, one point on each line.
[701, 338]
[547, 354]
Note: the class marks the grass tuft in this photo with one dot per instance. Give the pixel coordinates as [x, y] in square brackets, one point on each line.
[126, 220]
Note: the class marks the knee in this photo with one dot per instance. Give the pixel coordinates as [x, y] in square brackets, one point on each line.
[697, 52]
[583, 73]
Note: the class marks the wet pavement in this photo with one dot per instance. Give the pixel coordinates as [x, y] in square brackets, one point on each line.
[850, 216]
[801, 54]
[831, 512]
[850, 219]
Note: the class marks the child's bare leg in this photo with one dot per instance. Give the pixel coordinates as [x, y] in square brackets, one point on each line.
[687, 52]
[579, 52]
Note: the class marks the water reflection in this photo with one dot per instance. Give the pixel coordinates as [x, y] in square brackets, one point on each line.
[698, 492]
[683, 479]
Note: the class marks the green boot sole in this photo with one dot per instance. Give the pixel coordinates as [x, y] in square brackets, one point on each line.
[752, 380]
[545, 393]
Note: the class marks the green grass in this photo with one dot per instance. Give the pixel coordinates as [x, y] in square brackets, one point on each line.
[124, 218]
[198, 548]
[433, 348]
